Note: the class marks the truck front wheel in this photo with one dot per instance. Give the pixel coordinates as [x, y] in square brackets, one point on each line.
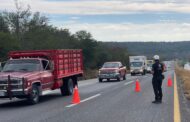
[34, 95]
[124, 77]
[118, 79]
[67, 88]
[144, 72]
[100, 80]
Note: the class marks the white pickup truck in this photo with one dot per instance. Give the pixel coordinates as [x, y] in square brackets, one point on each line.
[138, 65]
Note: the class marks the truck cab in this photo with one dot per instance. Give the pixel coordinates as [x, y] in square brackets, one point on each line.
[25, 73]
[112, 70]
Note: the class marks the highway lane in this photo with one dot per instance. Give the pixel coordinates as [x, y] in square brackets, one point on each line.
[102, 102]
[19, 110]
[122, 104]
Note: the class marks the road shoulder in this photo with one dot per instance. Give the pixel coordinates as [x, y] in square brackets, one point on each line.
[184, 103]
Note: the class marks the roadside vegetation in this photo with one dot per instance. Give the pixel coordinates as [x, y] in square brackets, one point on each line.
[185, 79]
[24, 30]
[166, 50]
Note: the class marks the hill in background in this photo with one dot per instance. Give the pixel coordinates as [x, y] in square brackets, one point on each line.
[167, 50]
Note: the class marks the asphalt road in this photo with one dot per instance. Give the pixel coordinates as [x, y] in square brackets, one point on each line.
[100, 102]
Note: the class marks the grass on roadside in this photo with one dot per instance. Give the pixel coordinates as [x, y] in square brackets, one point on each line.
[89, 74]
[184, 76]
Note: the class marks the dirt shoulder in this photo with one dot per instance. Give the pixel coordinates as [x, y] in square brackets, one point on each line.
[184, 76]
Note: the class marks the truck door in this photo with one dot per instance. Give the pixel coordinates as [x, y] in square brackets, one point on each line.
[47, 75]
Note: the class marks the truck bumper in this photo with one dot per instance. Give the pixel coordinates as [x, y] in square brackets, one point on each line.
[5, 94]
[109, 76]
[136, 72]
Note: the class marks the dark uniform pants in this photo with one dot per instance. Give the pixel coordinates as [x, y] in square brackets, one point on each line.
[157, 86]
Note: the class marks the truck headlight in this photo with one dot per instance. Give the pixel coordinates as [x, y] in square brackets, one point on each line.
[99, 72]
[116, 71]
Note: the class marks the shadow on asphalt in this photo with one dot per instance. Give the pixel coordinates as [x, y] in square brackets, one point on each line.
[110, 81]
[24, 103]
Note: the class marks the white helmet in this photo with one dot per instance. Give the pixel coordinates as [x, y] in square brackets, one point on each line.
[156, 57]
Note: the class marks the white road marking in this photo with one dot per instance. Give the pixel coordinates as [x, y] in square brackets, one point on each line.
[71, 105]
[89, 98]
[129, 83]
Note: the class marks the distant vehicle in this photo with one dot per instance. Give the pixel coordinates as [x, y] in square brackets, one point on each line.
[187, 66]
[29, 74]
[165, 67]
[112, 70]
[138, 65]
[149, 65]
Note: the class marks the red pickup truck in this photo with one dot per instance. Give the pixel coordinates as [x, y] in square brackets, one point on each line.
[29, 74]
[112, 70]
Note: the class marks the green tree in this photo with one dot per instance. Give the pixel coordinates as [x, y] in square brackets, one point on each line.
[24, 30]
[18, 21]
[7, 43]
[3, 24]
[88, 44]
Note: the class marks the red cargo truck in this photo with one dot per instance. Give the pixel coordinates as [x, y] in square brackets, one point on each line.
[29, 74]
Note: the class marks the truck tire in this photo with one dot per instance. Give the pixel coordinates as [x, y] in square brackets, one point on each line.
[119, 79]
[124, 77]
[108, 79]
[75, 82]
[34, 96]
[100, 80]
[144, 72]
[67, 88]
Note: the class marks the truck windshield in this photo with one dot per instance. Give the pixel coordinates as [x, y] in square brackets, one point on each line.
[136, 64]
[111, 65]
[149, 65]
[22, 65]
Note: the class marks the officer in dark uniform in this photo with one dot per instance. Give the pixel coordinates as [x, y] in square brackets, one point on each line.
[157, 70]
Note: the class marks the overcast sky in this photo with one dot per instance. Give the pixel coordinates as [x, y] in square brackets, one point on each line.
[117, 20]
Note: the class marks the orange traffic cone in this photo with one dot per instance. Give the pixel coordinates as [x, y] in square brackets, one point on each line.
[76, 97]
[169, 81]
[137, 86]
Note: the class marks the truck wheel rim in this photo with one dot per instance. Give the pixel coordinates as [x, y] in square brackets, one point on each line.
[35, 94]
[70, 86]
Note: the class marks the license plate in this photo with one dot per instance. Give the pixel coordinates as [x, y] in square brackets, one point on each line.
[2, 94]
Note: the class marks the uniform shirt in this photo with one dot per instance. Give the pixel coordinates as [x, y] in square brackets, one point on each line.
[157, 69]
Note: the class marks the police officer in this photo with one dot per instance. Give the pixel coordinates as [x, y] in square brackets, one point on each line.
[157, 70]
